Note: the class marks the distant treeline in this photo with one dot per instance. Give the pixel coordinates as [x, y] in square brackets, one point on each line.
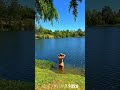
[104, 17]
[45, 33]
[14, 16]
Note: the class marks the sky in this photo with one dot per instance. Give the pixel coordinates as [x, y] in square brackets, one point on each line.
[29, 3]
[99, 4]
[66, 19]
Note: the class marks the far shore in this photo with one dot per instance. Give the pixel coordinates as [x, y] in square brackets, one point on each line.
[55, 37]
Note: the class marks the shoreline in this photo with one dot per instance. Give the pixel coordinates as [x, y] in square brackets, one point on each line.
[45, 77]
[53, 66]
[58, 38]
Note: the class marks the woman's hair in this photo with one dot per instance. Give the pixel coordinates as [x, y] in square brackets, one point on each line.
[61, 54]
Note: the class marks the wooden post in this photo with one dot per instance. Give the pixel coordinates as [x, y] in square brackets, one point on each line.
[61, 63]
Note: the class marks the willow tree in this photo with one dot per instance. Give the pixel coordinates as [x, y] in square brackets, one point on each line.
[73, 6]
[46, 11]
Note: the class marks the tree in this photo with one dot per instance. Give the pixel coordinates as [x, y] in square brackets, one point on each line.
[99, 19]
[46, 11]
[13, 9]
[2, 12]
[46, 33]
[88, 17]
[73, 6]
[107, 14]
[2, 8]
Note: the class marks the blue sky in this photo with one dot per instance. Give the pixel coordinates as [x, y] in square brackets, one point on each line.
[66, 19]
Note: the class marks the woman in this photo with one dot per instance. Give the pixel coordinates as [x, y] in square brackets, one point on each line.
[61, 63]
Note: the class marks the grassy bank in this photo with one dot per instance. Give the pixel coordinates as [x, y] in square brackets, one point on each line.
[15, 85]
[46, 79]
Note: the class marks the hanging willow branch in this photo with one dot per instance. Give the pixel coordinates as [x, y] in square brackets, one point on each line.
[45, 10]
[73, 5]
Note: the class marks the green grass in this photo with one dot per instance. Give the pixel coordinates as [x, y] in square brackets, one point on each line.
[43, 64]
[15, 85]
[46, 79]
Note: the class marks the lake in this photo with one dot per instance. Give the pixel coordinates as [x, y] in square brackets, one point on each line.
[17, 55]
[102, 54]
[73, 48]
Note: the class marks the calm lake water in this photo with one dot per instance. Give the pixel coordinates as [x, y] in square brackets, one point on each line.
[17, 55]
[73, 48]
[102, 54]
